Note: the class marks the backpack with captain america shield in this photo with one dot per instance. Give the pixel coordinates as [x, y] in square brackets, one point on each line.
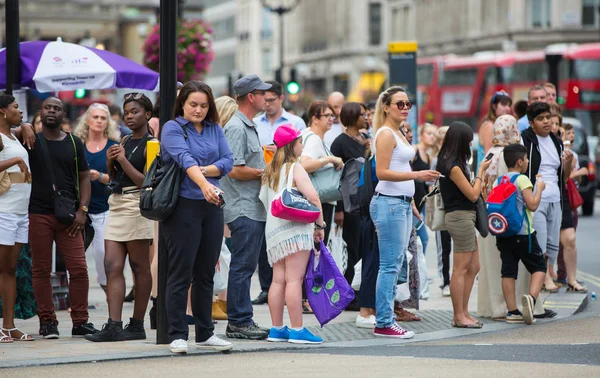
[504, 217]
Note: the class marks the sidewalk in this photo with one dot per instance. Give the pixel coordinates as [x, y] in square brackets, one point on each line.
[436, 314]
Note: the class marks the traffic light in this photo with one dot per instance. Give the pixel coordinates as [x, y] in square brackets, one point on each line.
[292, 86]
[80, 93]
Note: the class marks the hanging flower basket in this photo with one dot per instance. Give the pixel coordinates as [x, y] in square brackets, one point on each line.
[194, 49]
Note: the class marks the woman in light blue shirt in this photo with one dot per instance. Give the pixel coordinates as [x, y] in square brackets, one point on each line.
[194, 232]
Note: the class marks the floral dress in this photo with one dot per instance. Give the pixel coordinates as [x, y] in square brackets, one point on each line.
[25, 304]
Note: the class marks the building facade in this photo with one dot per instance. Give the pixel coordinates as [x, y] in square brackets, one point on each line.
[468, 26]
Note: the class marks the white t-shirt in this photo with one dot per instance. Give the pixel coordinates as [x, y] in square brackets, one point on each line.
[549, 169]
[334, 132]
[315, 149]
[16, 200]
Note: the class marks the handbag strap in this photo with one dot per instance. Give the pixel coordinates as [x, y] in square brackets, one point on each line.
[434, 191]
[309, 134]
[46, 153]
[290, 178]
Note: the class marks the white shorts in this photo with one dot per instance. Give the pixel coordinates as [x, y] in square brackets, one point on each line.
[14, 228]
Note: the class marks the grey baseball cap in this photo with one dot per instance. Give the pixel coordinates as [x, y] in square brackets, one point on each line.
[248, 84]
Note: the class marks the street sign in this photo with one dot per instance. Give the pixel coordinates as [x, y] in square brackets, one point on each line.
[403, 72]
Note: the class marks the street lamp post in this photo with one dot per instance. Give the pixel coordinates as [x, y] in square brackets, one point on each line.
[280, 9]
[13, 53]
[168, 91]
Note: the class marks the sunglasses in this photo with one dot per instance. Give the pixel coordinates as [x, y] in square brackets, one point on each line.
[99, 105]
[133, 95]
[499, 93]
[403, 104]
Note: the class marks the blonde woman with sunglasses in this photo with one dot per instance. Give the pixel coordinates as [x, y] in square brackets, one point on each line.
[98, 132]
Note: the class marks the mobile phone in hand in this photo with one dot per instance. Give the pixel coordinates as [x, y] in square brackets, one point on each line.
[490, 155]
[419, 225]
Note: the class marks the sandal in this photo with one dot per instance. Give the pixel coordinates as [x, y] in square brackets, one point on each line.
[406, 316]
[5, 339]
[24, 336]
[456, 324]
[577, 288]
[550, 289]
[306, 307]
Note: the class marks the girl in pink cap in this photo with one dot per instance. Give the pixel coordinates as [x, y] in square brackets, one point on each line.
[289, 243]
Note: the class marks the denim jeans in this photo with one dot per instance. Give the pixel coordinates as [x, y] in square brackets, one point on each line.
[393, 220]
[246, 240]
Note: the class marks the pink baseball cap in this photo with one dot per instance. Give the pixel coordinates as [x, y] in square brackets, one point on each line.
[285, 134]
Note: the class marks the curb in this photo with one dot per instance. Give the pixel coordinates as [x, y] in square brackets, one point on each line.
[162, 351]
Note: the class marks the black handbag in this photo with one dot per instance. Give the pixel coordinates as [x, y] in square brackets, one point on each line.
[481, 220]
[65, 204]
[160, 189]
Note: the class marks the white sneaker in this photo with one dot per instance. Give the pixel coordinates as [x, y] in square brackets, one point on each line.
[366, 322]
[179, 346]
[215, 343]
[446, 291]
[527, 302]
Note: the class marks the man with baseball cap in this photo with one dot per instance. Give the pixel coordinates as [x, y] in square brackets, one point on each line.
[244, 213]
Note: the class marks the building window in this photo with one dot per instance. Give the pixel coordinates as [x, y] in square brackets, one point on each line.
[224, 28]
[222, 65]
[374, 24]
[590, 14]
[267, 61]
[266, 31]
[539, 13]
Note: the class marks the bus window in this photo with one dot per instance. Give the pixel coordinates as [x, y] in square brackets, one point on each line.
[465, 76]
[563, 69]
[587, 69]
[529, 72]
[491, 76]
[424, 74]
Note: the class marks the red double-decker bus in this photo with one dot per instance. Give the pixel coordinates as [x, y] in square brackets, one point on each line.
[579, 73]
[428, 89]
[521, 70]
[467, 85]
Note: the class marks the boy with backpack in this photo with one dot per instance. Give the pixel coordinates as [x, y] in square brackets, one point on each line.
[510, 207]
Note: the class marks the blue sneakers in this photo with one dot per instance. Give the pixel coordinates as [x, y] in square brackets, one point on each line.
[303, 337]
[279, 335]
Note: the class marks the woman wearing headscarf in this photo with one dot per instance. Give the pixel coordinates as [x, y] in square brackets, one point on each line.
[490, 301]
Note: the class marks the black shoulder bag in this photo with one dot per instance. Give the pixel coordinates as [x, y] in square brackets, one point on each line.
[65, 205]
[160, 189]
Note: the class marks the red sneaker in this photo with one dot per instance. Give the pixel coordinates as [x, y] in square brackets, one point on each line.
[394, 331]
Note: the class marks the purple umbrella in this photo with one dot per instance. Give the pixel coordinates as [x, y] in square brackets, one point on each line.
[61, 66]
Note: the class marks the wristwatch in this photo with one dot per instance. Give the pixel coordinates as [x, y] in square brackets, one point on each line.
[83, 208]
[324, 226]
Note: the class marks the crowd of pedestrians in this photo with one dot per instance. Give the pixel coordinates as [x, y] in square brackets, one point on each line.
[237, 155]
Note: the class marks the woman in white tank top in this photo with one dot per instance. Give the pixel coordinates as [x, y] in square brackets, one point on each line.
[14, 219]
[391, 208]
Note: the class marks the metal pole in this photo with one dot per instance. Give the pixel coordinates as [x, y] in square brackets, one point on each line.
[168, 90]
[13, 51]
[280, 10]
[281, 42]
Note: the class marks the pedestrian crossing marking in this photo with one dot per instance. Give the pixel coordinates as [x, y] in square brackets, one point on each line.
[589, 277]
